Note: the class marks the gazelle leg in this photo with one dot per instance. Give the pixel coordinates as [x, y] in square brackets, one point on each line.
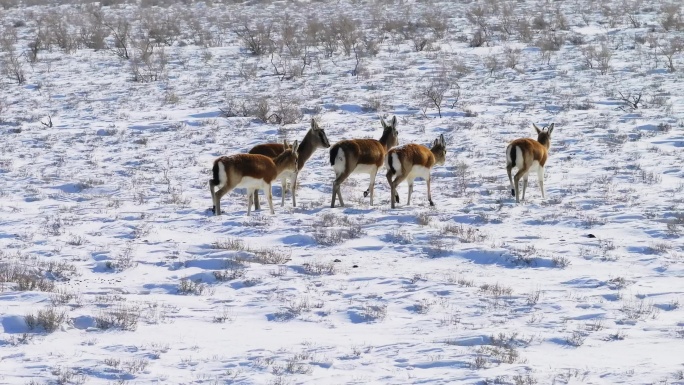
[408, 201]
[339, 194]
[250, 199]
[283, 185]
[217, 198]
[213, 197]
[524, 185]
[429, 191]
[509, 169]
[540, 177]
[371, 187]
[269, 194]
[516, 184]
[294, 189]
[334, 194]
[336, 188]
[394, 184]
[389, 181]
[257, 206]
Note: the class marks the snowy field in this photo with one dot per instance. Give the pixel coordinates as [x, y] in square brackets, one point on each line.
[114, 271]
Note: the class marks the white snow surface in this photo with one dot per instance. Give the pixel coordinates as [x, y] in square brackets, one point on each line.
[112, 205]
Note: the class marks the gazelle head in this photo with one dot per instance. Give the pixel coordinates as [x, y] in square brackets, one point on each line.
[390, 136]
[318, 138]
[439, 150]
[544, 134]
[287, 160]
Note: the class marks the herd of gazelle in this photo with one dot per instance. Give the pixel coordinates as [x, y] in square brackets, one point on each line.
[266, 163]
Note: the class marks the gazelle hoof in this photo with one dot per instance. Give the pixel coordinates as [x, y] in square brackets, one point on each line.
[396, 198]
[512, 192]
[366, 193]
[431, 202]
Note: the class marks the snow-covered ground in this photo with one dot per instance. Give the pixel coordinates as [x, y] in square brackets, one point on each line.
[105, 215]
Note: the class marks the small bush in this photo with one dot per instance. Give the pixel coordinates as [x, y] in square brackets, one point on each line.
[271, 256]
[576, 338]
[402, 237]
[639, 309]
[257, 38]
[295, 308]
[225, 315]
[25, 278]
[319, 268]
[124, 317]
[373, 313]
[229, 274]
[332, 229]
[496, 290]
[423, 306]
[233, 244]
[560, 261]
[123, 260]
[49, 318]
[671, 17]
[465, 234]
[187, 286]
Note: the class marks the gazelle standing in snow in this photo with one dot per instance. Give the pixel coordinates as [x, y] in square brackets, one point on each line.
[528, 155]
[412, 161]
[361, 156]
[314, 139]
[250, 171]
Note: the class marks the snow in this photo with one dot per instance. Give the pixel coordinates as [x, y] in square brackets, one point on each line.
[111, 204]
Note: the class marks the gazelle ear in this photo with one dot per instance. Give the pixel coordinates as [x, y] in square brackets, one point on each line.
[314, 125]
[295, 146]
[441, 139]
[536, 128]
[285, 144]
[382, 121]
[394, 121]
[551, 128]
[435, 143]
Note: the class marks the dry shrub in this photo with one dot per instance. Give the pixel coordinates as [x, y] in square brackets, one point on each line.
[331, 229]
[124, 317]
[49, 318]
[25, 277]
[256, 37]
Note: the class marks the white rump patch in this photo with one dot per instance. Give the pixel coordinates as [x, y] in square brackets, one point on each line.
[519, 161]
[222, 175]
[340, 162]
[396, 164]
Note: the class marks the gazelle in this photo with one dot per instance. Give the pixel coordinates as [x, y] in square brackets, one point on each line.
[412, 161]
[528, 155]
[361, 156]
[250, 171]
[314, 139]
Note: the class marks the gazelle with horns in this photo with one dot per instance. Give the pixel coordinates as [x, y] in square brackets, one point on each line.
[250, 171]
[364, 156]
[528, 155]
[412, 161]
[314, 139]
